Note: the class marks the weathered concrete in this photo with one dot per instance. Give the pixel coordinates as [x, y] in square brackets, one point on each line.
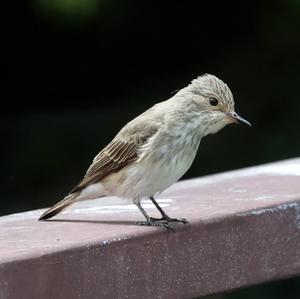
[244, 229]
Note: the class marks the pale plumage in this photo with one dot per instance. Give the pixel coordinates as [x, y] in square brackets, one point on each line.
[155, 149]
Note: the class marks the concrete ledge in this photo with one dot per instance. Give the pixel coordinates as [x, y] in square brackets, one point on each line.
[244, 229]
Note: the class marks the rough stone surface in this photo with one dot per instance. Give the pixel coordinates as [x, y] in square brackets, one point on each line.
[244, 229]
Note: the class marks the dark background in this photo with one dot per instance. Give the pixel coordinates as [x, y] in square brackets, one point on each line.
[74, 72]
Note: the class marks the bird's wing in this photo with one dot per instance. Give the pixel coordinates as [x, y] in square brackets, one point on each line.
[119, 153]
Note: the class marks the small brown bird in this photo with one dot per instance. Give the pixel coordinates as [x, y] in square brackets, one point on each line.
[155, 149]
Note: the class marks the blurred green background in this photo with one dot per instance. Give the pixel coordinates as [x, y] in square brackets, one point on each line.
[75, 71]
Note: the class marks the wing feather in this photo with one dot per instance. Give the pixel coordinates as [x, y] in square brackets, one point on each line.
[116, 155]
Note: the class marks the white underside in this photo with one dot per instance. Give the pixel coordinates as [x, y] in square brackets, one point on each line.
[143, 180]
[145, 177]
[140, 180]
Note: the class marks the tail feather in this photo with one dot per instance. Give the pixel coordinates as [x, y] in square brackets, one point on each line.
[68, 200]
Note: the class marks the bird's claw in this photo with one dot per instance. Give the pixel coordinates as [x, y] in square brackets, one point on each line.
[164, 224]
[168, 219]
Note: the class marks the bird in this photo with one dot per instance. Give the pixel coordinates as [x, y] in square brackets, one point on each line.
[155, 149]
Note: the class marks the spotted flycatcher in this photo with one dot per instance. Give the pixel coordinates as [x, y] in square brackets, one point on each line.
[155, 149]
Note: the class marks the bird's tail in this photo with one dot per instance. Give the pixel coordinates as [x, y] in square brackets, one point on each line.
[68, 200]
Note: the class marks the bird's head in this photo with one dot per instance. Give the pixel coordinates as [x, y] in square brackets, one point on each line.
[214, 100]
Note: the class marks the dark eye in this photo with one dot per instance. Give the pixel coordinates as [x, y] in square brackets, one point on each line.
[213, 101]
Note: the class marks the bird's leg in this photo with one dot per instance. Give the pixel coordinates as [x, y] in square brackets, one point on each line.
[165, 217]
[149, 221]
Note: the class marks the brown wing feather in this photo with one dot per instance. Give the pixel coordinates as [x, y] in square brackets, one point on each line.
[112, 158]
[123, 150]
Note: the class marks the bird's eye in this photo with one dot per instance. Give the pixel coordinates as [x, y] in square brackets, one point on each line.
[213, 101]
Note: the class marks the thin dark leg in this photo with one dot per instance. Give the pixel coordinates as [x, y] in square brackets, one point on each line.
[149, 221]
[165, 217]
[163, 213]
[143, 211]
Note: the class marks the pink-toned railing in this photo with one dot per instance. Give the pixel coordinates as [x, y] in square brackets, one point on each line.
[244, 229]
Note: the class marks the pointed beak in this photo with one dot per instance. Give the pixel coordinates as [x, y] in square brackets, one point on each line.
[237, 119]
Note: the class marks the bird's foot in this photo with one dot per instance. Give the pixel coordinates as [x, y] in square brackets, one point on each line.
[168, 219]
[161, 223]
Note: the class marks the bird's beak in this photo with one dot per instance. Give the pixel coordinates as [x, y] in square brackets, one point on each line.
[237, 119]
